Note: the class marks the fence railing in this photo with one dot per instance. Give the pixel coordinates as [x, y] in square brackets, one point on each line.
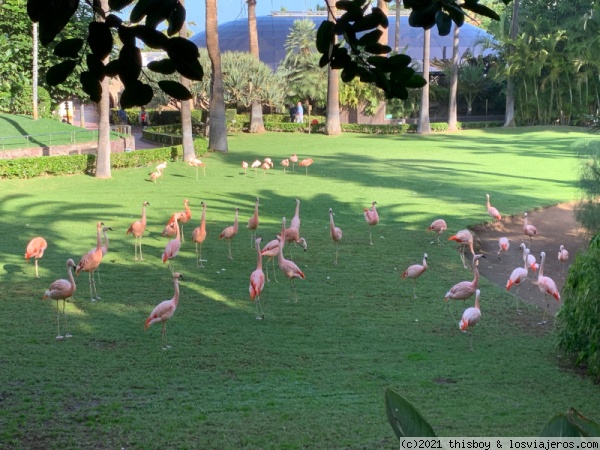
[61, 138]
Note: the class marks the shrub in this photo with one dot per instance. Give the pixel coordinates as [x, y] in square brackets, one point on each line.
[577, 320]
[587, 211]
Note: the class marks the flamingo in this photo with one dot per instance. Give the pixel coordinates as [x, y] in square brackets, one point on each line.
[268, 161]
[547, 287]
[519, 275]
[230, 232]
[184, 217]
[91, 261]
[35, 248]
[336, 234]
[438, 226]
[465, 289]
[104, 248]
[293, 160]
[285, 163]
[414, 272]
[470, 318]
[271, 249]
[492, 212]
[503, 246]
[195, 162]
[289, 268]
[257, 282]
[372, 218]
[305, 163]
[293, 235]
[137, 228]
[245, 167]
[198, 236]
[464, 239]
[62, 290]
[528, 229]
[253, 224]
[563, 256]
[155, 175]
[173, 246]
[162, 166]
[255, 165]
[164, 311]
[295, 222]
[265, 166]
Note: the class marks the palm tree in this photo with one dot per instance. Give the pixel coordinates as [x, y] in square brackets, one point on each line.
[382, 4]
[397, 27]
[332, 124]
[257, 124]
[103, 157]
[452, 108]
[35, 70]
[186, 110]
[217, 134]
[424, 126]
[509, 120]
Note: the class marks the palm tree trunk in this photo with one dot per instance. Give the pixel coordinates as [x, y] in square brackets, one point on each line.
[332, 124]
[257, 124]
[382, 4]
[103, 157]
[424, 126]
[397, 28]
[217, 133]
[452, 108]
[509, 119]
[35, 70]
[186, 110]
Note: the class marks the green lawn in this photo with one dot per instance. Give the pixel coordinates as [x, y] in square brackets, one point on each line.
[313, 373]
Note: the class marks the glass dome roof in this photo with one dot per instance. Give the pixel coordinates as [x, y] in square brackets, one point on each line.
[273, 31]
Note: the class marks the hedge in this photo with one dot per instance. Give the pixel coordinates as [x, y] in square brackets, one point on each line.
[78, 164]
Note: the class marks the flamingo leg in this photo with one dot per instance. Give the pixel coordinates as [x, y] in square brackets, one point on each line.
[462, 257]
[274, 271]
[196, 173]
[306, 170]
[163, 333]
[182, 236]
[415, 288]
[229, 246]
[470, 340]
[141, 256]
[438, 239]
[58, 335]
[93, 287]
[36, 269]
[370, 237]
[259, 315]
[67, 334]
[545, 318]
[336, 252]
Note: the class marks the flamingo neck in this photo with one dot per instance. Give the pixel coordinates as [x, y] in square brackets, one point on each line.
[71, 278]
[331, 224]
[203, 219]
[541, 272]
[259, 262]
[178, 236]
[476, 279]
[99, 238]
[425, 263]
[144, 215]
[477, 302]
[105, 239]
[176, 296]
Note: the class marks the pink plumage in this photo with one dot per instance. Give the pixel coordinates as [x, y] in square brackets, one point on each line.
[520, 273]
[464, 239]
[62, 290]
[492, 212]
[173, 246]
[465, 289]
[563, 254]
[257, 281]
[503, 245]
[372, 218]
[438, 226]
[414, 272]
[546, 286]
[528, 229]
[35, 249]
[289, 268]
[164, 311]
[471, 316]
[230, 232]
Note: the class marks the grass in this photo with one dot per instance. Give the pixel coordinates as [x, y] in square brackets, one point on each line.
[21, 131]
[313, 373]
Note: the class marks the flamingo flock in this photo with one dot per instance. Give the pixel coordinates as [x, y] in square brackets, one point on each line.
[266, 164]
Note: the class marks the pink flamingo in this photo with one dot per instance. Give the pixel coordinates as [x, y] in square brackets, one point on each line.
[162, 166]
[492, 212]
[91, 261]
[253, 224]
[35, 249]
[414, 272]
[173, 246]
[271, 249]
[245, 167]
[293, 235]
[230, 232]
[547, 287]
[528, 229]
[372, 218]
[305, 163]
[464, 239]
[438, 226]
[62, 290]
[257, 282]
[465, 289]
[195, 162]
[295, 222]
[289, 268]
[255, 165]
[164, 311]
[155, 175]
[198, 236]
[470, 318]
[294, 160]
[336, 234]
[563, 256]
[285, 163]
[503, 246]
[519, 275]
[104, 248]
[183, 217]
[137, 228]
[265, 166]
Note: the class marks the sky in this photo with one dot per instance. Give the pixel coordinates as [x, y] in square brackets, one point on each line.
[228, 10]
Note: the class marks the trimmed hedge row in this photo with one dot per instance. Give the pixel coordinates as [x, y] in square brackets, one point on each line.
[78, 164]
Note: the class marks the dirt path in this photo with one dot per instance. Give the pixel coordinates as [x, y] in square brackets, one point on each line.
[556, 225]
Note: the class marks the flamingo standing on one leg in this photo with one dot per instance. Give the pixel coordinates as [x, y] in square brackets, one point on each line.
[35, 249]
[547, 287]
[293, 160]
[198, 236]
[257, 282]
[195, 162]
[62, 290]
[253, 224]
[173, 246]
[528, 229]
[336, 234]
[464, 239]
[289, 268]
[465, 289]
[230, 232]
[271, 250]
[91, 261]
[372, 218]
[255, 165]
[414, 272]
[164, 311]
[503, 246]
[519, 275]
[305, 163]
[285, 163]
[438, 226]
[492, 212]
[137, 228]
[470, 318]
[245, 167]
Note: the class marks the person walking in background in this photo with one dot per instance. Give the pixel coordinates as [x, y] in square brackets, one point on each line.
[144, 122]
[292, 113]
[299, 113]
[122, 115]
